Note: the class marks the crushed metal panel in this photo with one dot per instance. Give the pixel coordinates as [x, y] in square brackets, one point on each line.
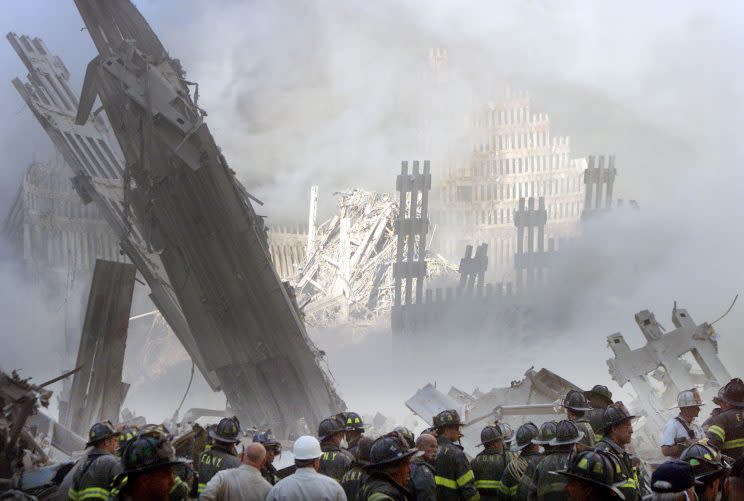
[97, 390]
[429, 401]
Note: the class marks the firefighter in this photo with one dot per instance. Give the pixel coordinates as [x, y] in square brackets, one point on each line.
[92, 476]
[453, 474]
[148, 463]
[518, 474]
[576, 407]
[490, 464]
[599, 398]
[221, 455]
[389, 470]
[354, 430]
[617, 432]
[592, 476]
[335, 461]
[354, 479]
[423, 487]
[726, 430]
[273, 449]
[680, 432]
[546, 486]
[709, 468]
[185, 478]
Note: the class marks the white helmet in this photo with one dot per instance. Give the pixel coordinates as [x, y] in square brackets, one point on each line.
[306, 447]
[689, 398]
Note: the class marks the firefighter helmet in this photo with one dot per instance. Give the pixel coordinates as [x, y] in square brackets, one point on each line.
[329, 427]
[447, 418]
[705, 460]
[268, 440]
[491, 433]
[227, 431]
[615, 414]
[389, 449]
[599, 391]
[576, 401]
[147, 453]
[525, 435]
[688, 398]
[733, 393]
[363, 449]
[566, 433]
[596, 468]
[547, 433]
[100, 432]
[353, 421]
[508, 432]
[407, 435]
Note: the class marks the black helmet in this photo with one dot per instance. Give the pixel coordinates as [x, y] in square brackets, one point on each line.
[525, 434]
[705, 460]
[597, 468]
[566, 433]
[733, 393]
[407, 435]
[547, 433]
[329, 427]
[353, 421]
[600, 391]
[507, 431]
[491, 433]
[100, 432]
[447, 418]
[363, 449]
[146, 453]
[576, 401]
[615, 414]
[227, 431]
[389, 449]
[268, 440]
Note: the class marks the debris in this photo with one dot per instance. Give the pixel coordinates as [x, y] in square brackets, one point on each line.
[351, 263]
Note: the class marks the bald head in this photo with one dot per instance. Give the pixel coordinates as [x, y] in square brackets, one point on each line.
[427, 444]
[254, 455]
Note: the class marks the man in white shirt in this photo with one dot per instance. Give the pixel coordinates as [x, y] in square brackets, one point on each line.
[306, 483]
[244, 483]
[680, 431]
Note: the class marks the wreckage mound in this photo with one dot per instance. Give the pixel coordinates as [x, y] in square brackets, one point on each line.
[348, 276]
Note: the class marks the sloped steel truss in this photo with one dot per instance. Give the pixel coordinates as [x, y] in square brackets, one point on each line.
[183, 218]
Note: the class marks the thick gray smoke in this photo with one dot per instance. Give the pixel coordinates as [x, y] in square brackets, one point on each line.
[330, 93]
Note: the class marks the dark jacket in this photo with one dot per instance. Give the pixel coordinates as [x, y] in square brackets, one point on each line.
[353, 480]
[334, 462]
[91, 478]
[631, 488]
[213, 459]
[587, 441]
[596, 420]
[422, 485]
[269, 472]
[726, 432]
[546, 486]
[381, 487]
[453, 474]
[519, 472]
[489, 467]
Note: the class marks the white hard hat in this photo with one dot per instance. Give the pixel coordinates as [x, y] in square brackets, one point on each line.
[306, 447]
[689, 398]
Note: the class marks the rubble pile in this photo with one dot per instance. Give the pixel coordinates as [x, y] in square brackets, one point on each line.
[349, 273]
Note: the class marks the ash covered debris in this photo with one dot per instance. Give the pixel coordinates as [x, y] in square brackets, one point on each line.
[348, 276]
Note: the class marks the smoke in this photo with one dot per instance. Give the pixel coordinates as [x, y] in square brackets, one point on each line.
[336, 93]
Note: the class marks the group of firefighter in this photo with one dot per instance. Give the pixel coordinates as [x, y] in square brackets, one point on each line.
[585, 456]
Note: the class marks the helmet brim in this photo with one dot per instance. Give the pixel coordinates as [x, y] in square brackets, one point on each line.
[411, 453]
[215, 436]
[612, 488]
[153, 466]
[555, 442]
[91, 443]
[578, 409]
